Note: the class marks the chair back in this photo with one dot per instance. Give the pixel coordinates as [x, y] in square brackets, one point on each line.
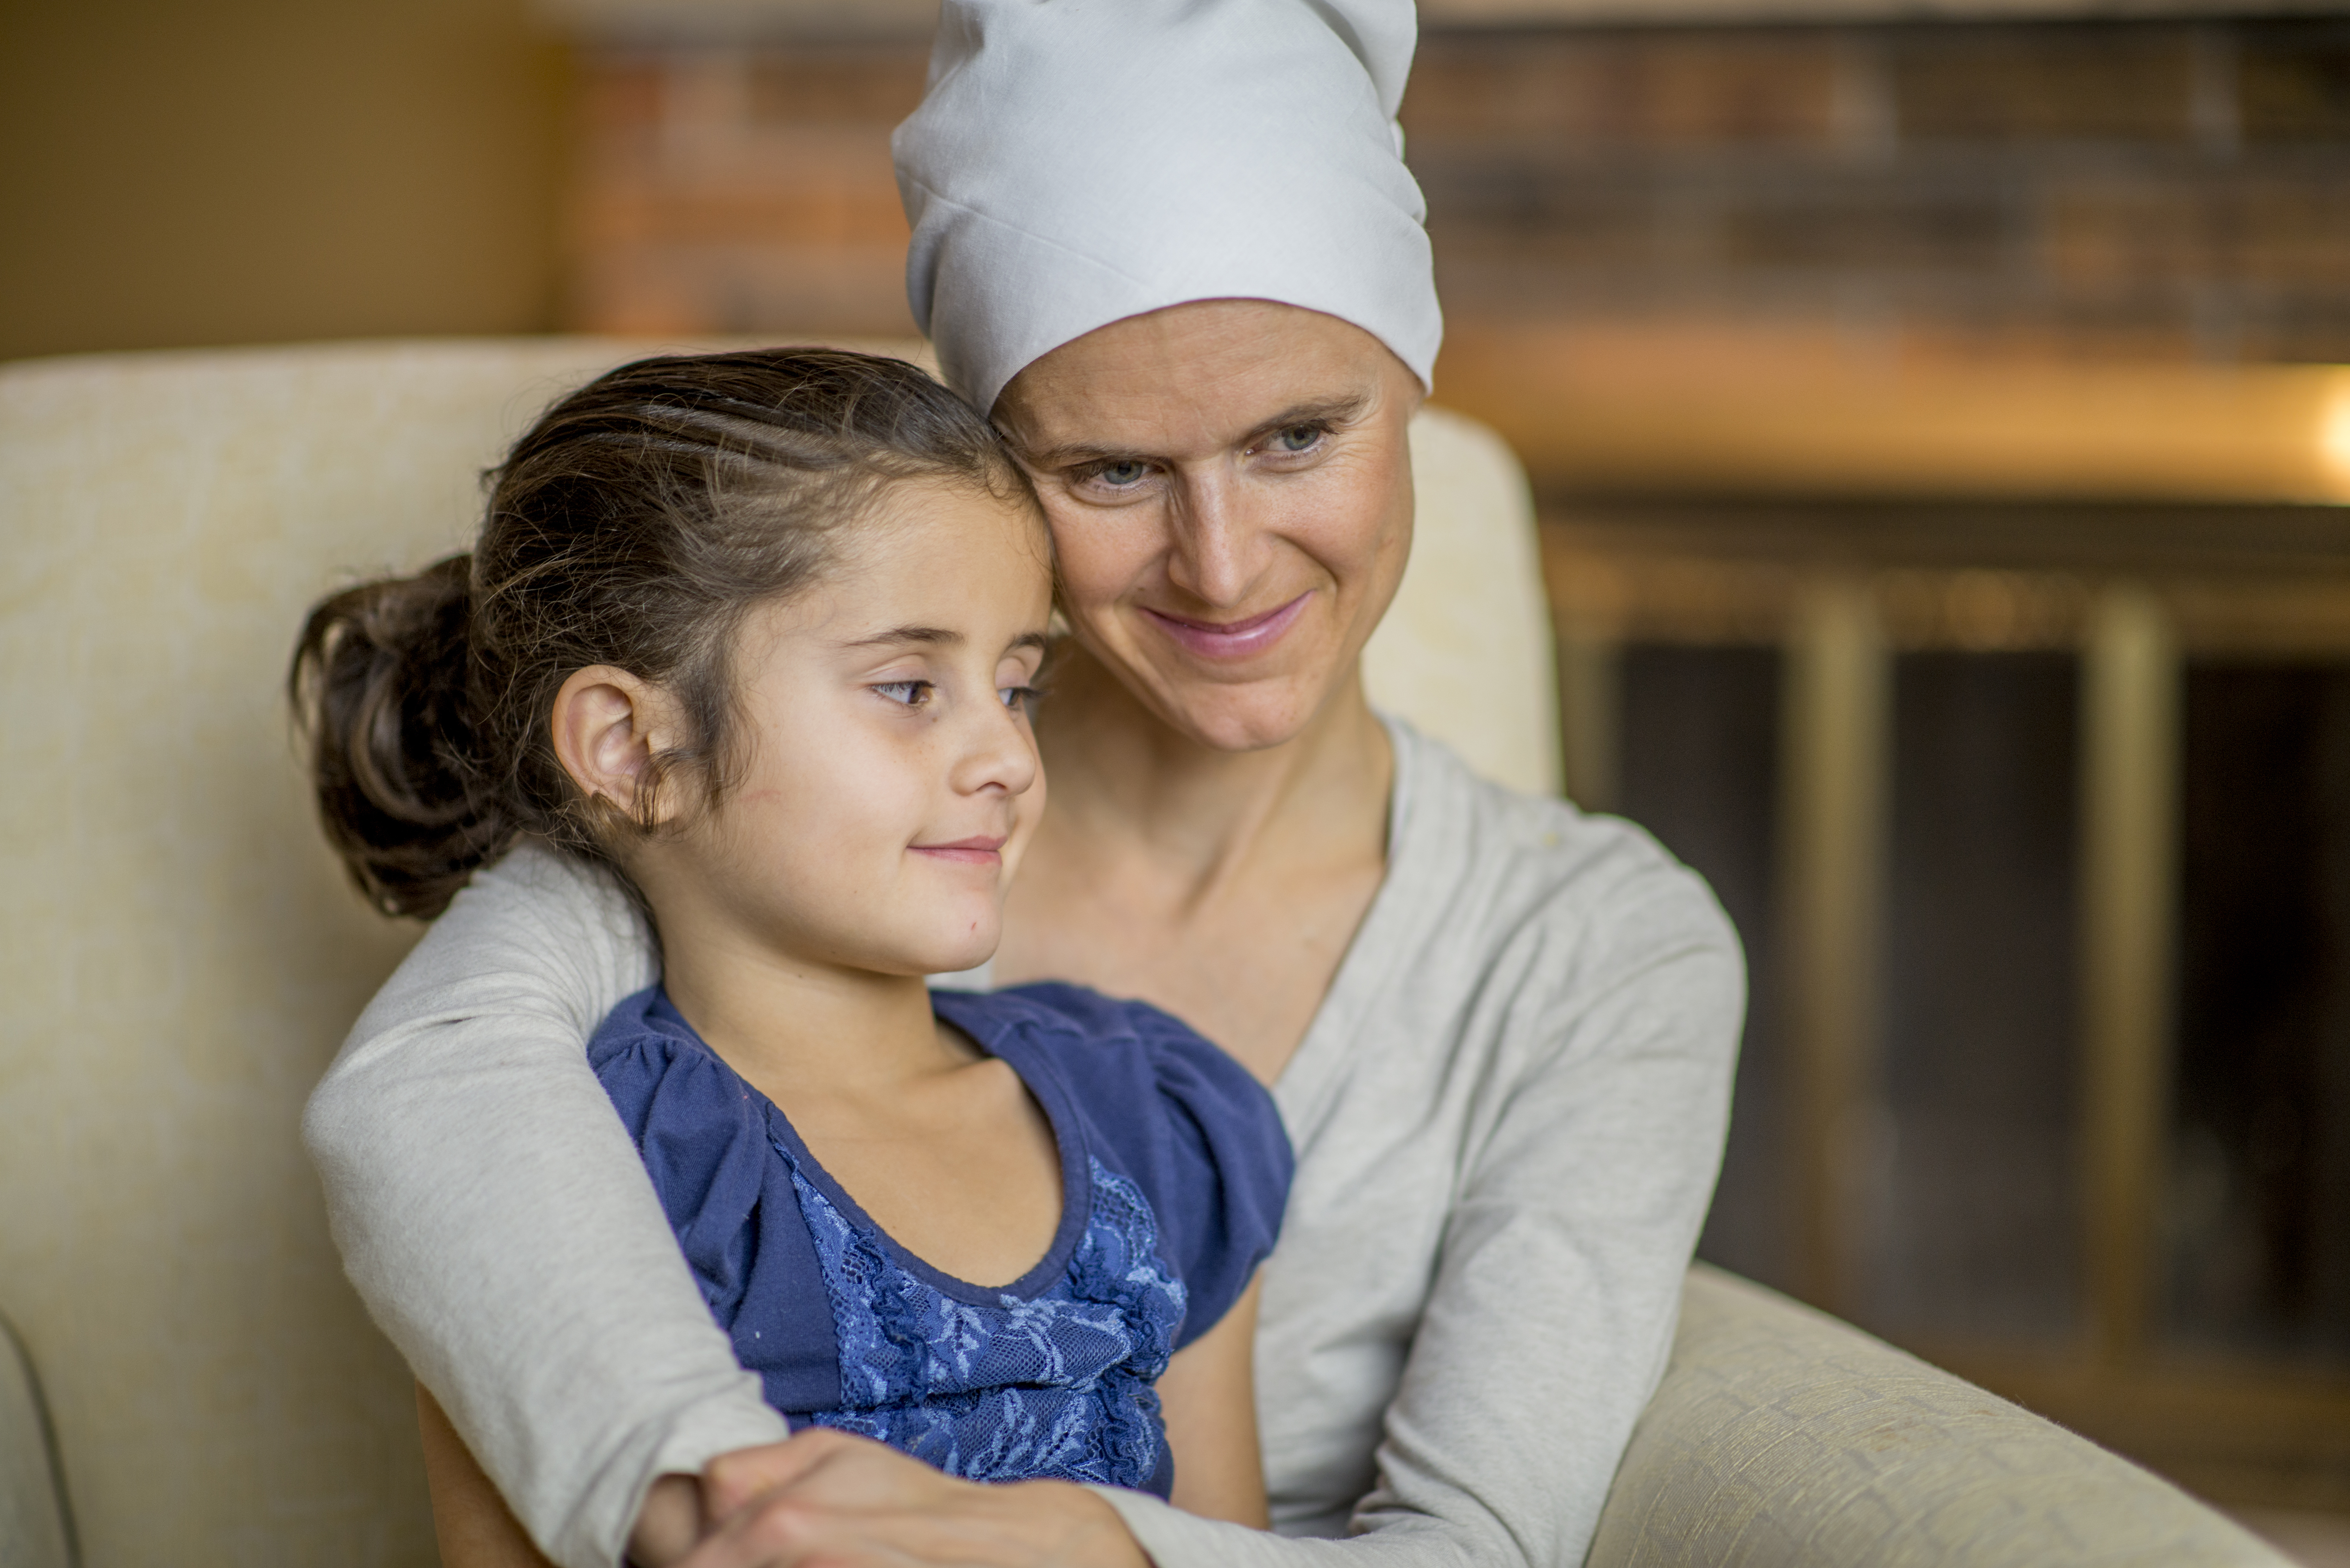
[183, 956]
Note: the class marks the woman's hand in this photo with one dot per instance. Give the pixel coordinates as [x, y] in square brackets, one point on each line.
[824, 1497]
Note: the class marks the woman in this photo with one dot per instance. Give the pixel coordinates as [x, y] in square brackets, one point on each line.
[1172, 245]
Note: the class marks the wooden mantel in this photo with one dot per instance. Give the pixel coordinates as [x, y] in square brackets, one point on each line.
[1690, 410]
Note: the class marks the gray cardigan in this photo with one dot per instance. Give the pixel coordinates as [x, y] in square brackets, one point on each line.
[1508, 1117]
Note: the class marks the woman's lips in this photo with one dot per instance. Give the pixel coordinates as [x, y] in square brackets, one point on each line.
[1233, 638]
[965, 851]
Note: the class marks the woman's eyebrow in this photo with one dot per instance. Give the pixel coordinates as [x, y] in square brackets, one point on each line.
[1328, 411]
[1335, 411]
[1079, 451]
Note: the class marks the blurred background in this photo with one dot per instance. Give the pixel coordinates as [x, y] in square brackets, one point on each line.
[1942, 466]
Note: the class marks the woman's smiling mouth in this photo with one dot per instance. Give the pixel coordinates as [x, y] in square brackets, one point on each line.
[1230, 639]
[965, 851]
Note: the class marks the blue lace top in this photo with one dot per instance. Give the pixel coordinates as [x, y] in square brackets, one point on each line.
[1174, 1171]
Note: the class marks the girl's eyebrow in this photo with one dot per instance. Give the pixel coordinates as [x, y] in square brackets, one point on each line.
[932, 635]
[940, 637]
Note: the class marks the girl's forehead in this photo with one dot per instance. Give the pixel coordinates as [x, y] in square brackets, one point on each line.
[914, 517]
[956, 556]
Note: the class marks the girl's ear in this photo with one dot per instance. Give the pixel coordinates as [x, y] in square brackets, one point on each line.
[608, 726]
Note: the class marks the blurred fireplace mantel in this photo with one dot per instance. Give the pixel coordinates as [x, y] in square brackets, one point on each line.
[1677, 408]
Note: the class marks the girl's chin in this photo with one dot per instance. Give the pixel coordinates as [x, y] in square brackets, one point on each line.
[953, 954]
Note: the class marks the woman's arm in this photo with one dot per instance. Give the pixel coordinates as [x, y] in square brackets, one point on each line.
[497, 1220]
[1207, 1397]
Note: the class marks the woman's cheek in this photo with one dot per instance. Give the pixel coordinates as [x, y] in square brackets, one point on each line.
[1100, 553]
[1350, 527]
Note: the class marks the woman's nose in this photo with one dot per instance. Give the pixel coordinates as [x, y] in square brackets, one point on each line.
[1214, 536]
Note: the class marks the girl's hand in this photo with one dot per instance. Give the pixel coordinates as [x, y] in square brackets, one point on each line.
[828, 1497]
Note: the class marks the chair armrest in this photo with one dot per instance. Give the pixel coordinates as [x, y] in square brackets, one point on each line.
[35, 1529]
[1781, 1436]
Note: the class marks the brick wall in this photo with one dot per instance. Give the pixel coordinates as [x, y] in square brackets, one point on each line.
[2128, 190]
[2124, 189]
[740, 189]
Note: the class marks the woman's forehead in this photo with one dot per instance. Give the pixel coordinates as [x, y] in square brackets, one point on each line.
[1210, 372]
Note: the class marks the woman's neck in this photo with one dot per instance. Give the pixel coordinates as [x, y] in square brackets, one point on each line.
[1224, 887]
[1121, 776]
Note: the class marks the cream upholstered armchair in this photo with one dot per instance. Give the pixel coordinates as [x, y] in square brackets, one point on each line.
[181, 956]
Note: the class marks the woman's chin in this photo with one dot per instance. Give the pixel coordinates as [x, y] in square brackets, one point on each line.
[1252, 717]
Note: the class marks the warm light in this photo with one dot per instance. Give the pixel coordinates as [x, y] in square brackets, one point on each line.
[2333, 436]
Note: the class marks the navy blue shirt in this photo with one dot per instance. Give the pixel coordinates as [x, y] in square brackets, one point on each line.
[1174, 1171]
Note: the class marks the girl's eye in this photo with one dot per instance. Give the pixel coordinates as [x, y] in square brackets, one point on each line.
[1019, 698]
[906, 693]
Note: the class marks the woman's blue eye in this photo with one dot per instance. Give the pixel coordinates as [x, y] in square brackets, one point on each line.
[909, 693]
[1298, 438]
[1130, 472]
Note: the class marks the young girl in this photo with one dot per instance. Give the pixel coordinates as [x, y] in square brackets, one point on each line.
[759, 632]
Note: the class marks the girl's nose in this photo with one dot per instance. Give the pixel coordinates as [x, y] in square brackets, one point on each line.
[999, 752]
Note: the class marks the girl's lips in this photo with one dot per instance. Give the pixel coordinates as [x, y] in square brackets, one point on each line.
[965, 851]
[1230, 639]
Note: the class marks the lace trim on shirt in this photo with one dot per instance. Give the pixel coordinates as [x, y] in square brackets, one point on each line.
[1057, 1386]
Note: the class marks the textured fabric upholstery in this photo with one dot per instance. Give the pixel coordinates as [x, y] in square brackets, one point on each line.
[1782, 1436]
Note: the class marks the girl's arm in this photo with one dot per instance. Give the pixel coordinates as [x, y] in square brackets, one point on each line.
[499, 1224]
[475, 1529]
[1208, 1396]
[471, 1522]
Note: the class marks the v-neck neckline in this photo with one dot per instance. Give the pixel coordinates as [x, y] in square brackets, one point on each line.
[1304, 1087]
[1036, 1074]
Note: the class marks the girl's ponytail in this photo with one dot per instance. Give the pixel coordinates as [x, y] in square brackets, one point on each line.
[381, 679]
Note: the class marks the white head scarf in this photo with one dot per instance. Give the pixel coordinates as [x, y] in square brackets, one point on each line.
[1079, 162]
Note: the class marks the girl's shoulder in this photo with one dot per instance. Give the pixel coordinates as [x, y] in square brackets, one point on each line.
[1160, 1105]
[1123, 1062]
[657, 1070]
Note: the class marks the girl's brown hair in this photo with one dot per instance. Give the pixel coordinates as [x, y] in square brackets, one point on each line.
[634, 526]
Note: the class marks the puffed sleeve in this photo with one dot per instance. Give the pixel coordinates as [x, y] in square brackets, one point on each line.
[700, 1143]
[1172, 1113]
[1227, 1178]
[702, 1132]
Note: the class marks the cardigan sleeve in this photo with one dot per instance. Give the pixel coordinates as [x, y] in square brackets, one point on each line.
[494, 1217]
